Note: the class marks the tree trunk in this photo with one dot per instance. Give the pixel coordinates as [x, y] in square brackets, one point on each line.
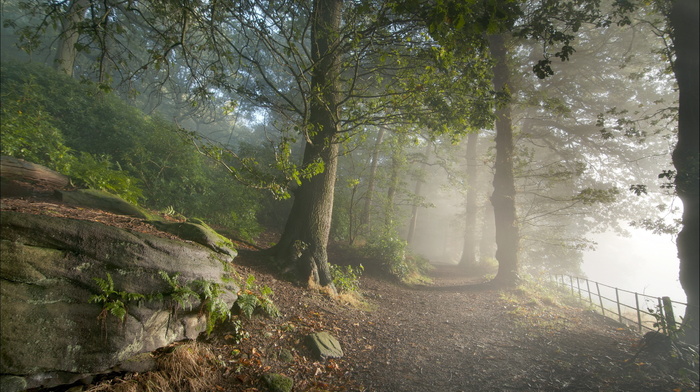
[468, 260]
[66, 53]
[304, 242]
[503, 197]
[686, 156]
[488, 237]
[417, 191]
[366, 211]
[389, 211]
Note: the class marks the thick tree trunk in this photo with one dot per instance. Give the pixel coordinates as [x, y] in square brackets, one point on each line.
[503, 198]
[366, 210]
[686, 156]
[468, 260]
[303, 245]
[66, 53]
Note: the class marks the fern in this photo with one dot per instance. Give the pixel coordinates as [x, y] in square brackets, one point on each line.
[212, 304]
[247, 303]
[113, 301]
[249, 282]
[180, 295]
[266, 303]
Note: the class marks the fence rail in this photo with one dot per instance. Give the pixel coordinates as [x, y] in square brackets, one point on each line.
[623, 305]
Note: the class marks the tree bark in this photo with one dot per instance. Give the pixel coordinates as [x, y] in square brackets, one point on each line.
[66, 52]
[686, 156]
[304, 242]
[395, 169]
[366, 211]
[488, 237]
[418, 193]
[503, 197]
[468, 260]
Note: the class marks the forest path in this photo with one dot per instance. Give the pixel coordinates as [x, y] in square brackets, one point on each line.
[439, 338]
[449, 337]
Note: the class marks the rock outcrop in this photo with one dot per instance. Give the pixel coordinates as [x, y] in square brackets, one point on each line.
[100, 200]
[49, 269]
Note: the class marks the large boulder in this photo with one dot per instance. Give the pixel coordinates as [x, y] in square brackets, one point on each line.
[50, 268]
[101, 200]
[199, 232]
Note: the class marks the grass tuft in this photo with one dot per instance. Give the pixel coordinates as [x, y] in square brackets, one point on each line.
[189, 367]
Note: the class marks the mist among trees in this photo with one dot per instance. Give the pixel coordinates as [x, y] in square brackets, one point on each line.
[495, 134]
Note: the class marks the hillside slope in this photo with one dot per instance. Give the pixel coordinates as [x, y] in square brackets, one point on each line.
[445, 337]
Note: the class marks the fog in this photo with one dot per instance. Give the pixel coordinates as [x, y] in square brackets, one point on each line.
[643, 262]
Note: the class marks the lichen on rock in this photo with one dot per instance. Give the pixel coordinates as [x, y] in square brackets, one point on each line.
[48, 271]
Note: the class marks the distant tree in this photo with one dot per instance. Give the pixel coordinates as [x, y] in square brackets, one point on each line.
[469, 259]
[418, 194]
[371, 182]
[554, 26]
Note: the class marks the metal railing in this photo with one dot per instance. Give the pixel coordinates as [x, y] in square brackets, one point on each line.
[624, 305]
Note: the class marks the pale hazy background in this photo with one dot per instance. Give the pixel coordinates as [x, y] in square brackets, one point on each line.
[646, 263]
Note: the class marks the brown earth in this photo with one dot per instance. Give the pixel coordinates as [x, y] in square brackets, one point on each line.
[450, 336]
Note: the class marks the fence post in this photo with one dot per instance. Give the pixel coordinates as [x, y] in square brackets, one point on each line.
[617, 299]
[639, 313]
[588, 288]
[669, 316]
[600, 298]
[661, 312]
[571, 284]
[578, 287]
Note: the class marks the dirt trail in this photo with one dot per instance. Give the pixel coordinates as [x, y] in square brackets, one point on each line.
[442, 338]
[452, 338]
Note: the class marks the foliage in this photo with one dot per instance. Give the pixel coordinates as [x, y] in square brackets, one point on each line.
[96, 138]
[113, 301]
[97, 173]
[391, 252]
[487, 266]
[346, 278]
[252, 297]
[212, 304]
[685, 355]
[29, 132]
[181, 296]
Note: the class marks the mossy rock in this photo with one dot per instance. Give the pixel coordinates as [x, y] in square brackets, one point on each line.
[324, 345]
[48, 273]
[93, 198]
[278, 382]
[199, 232]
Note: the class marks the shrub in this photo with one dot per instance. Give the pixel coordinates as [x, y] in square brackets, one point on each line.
[97, 173]
[395, 258]
[28, 131]
[93, 136]
[346, 278]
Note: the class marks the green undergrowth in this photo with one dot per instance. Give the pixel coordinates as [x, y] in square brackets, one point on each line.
[394, 257]
[103, 143]
[534, 305]
[184, 295]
